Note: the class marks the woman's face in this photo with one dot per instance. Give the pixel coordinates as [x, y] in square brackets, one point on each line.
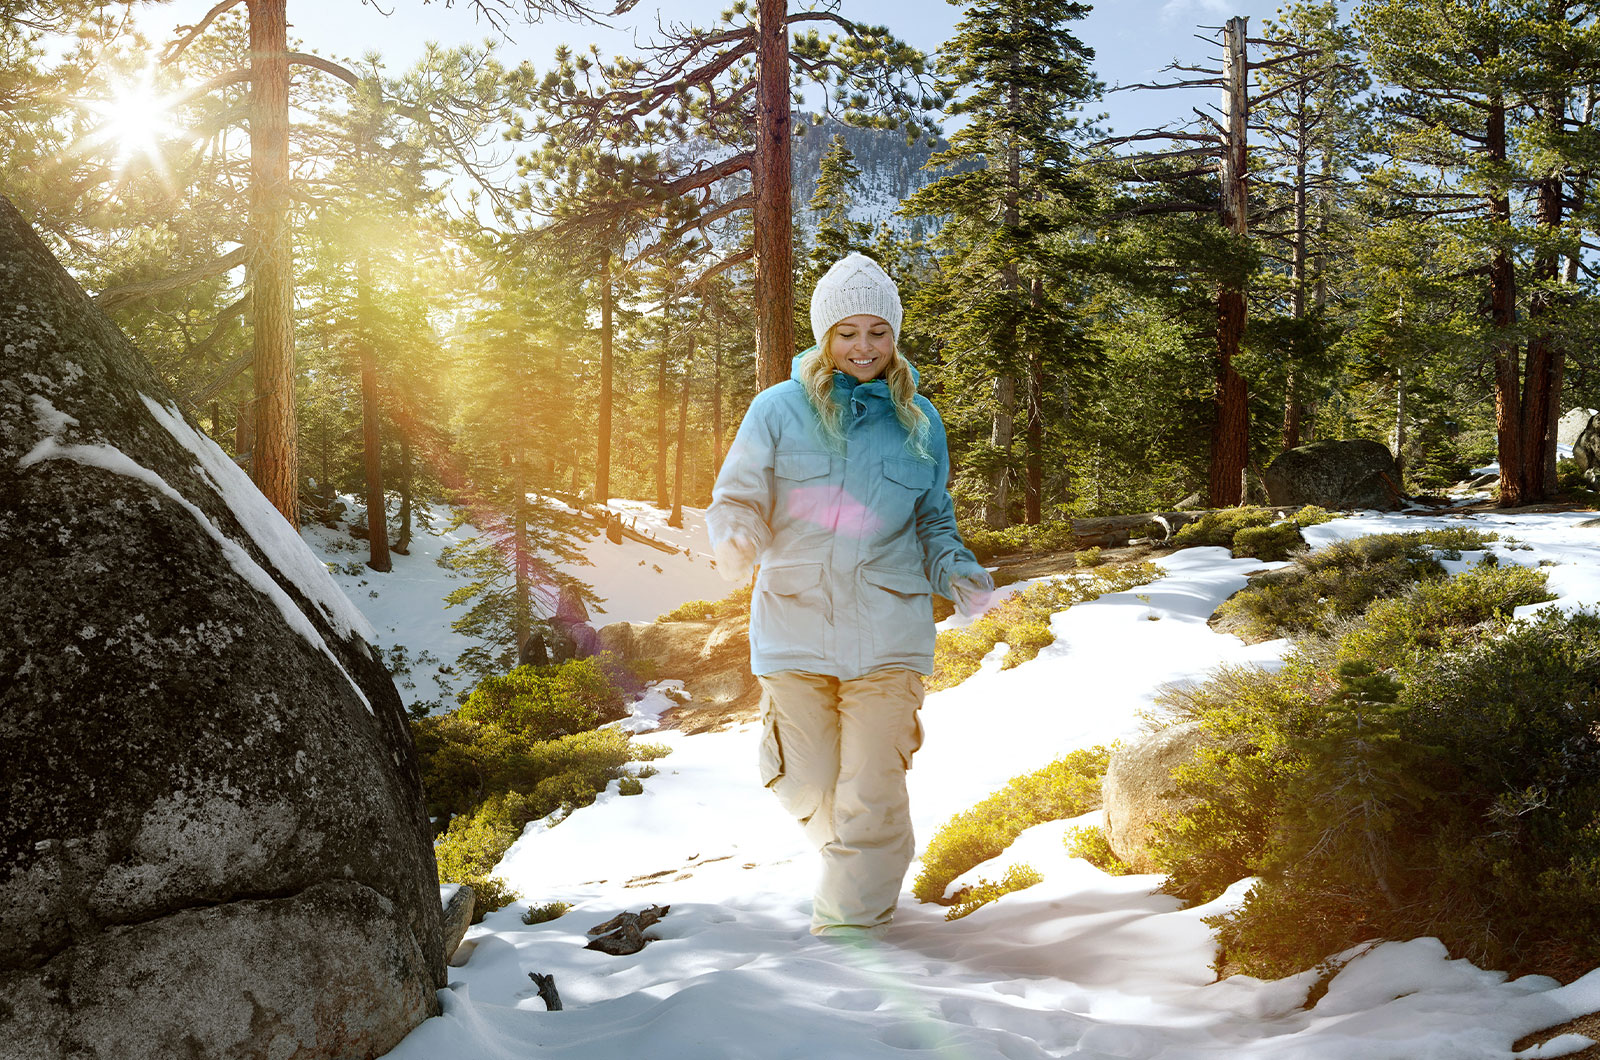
[862, 346]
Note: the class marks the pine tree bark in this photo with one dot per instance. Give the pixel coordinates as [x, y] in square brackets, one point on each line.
[1033, 491]
[716, 411]
[403, 544]
[1502, 310]
[774, 232]
[662, 500]
[1230, 437]
[371, 436]
[522, 559]
[274, 461]
[602, 461]
[676, 518]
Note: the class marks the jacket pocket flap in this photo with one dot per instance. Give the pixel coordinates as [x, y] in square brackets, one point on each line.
[791, 580]
[905, 582]
[912, 474]
[801, 465]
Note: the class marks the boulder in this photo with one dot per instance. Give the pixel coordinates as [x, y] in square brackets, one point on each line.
[457, 916]
[212, 836]
[1335, 475]
[1137, 788]
[711, 658]
[1572, 424]
[1586, 451]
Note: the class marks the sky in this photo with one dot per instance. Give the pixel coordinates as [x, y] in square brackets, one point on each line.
[1133, 39]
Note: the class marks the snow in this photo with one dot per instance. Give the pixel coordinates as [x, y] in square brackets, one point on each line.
[109, 458]
[405, 606]
[271, 532]
[1083, 964]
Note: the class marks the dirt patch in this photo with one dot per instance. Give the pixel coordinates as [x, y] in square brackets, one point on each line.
[1588, 1026]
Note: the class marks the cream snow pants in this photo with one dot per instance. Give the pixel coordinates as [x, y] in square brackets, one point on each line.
[836, 754]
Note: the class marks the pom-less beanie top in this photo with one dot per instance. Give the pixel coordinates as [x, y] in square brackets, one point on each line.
[855, 284]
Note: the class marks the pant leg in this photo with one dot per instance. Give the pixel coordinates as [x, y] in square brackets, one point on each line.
[864, 867]
[800, 747]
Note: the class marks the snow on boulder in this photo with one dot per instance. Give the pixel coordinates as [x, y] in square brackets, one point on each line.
[1337, 475]
[212, 837]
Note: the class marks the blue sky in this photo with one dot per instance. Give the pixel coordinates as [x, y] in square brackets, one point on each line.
[1133, 39]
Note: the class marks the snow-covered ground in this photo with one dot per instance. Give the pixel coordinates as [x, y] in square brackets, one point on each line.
[1082, 965]
[635, 582]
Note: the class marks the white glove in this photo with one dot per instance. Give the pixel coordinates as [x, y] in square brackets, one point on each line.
[736, 557]
[972, 593]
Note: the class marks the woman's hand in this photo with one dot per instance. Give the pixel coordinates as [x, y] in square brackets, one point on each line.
[972, 588]
[736, 557]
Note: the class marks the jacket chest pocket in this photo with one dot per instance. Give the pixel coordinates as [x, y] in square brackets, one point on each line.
[791, 611]
[905, 480]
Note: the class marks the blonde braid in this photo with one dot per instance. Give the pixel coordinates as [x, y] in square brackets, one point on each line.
[816, 376]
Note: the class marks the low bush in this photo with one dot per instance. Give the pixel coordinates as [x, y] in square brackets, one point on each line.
[1274, 542]
[1218, 528]
[488, 894]
[546, 702]
[986, 543]
[1017, 878]
[1065, 788]
[1022, 621]
[734, 605]
[1089, 557]
[502, 760]
[1430, 770]
[543, 914]
[1091, 844]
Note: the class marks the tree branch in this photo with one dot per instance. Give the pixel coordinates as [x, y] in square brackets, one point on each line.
[116, 297]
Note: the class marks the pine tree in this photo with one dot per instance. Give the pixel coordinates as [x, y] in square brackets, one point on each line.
[1022, 78]
[1481, 127]
[836, 234]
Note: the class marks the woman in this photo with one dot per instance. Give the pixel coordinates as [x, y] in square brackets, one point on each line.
[836, 486]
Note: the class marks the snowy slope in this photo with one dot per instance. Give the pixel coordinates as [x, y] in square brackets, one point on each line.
[406, 606]
[1082, 965]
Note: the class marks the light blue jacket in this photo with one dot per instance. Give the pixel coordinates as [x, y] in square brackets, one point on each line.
[850, 545]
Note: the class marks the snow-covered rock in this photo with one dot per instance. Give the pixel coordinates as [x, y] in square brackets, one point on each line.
[212, 824]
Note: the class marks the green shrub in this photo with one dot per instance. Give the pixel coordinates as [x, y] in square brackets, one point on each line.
[630, 786]
[1089, 557]
[1218, 528]
[1065, 788]
[986, 543]
[1340, 582]
[1311, 515]
[734, 605]
[543, 914]
[1022, 620]
[1017, 877]
[546, 702]
[1091, 844]
[488, 894]
[1434, 770]
[1272, 542]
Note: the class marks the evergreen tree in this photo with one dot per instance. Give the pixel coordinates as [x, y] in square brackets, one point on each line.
[1023, 78]
[835, 236]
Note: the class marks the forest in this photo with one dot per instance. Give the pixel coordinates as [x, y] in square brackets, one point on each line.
[474, 281]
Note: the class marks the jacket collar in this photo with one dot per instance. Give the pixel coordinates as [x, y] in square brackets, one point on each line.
[845, 386]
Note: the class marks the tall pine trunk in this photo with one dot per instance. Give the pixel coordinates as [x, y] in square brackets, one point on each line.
[774, 225]
[602, 461]
[662, 500]
[273, 462]
[1230, 433]
[676, 518]
[1033, 493]
[371, 438]
[716, 410]
[1502, 311]
[403, 544]
[522, 558]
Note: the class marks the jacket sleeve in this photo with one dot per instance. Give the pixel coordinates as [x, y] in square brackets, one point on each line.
[741, 500]
[943, 551]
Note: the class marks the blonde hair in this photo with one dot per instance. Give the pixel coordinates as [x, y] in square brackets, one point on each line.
[816, 376]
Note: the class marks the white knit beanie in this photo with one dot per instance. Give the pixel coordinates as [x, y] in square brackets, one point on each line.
[855, 284]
